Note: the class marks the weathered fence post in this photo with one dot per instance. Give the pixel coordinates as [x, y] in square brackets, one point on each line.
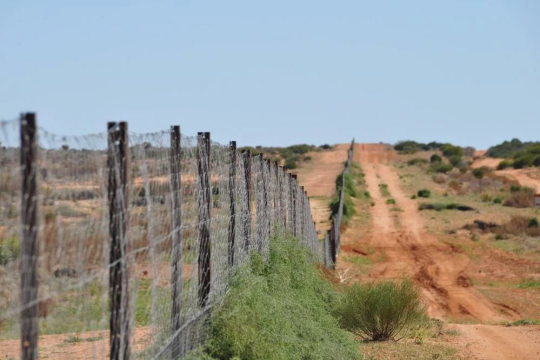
[29, 241]
[176, 246]
[232, 201]
[118, 165]
[291, 205]
[259, 200]
[205, 201]
[246, 200]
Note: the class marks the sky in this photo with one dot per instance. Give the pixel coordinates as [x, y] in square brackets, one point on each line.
[277, 73]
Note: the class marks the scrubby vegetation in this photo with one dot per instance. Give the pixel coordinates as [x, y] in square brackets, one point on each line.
[288, 156]
[520, 154]
[350, 192]
[382, 311]
[441, 206]
[279, 309]
[424, 193]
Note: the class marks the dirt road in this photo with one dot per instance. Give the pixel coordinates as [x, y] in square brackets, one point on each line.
[318, 177]
[488, 342]
[398, 233]
[439, 269]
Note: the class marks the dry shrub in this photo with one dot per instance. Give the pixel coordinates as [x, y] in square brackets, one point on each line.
[439, 179]
[520, 199]
[519, 225]
[454, 185]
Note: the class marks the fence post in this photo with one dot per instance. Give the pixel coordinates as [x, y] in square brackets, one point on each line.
[176, 247]
[205, 201]
[29, 241]
[232, 201]
[118, 164]
[259, 200]
[265, 167]
[246, 200]
[292, 205]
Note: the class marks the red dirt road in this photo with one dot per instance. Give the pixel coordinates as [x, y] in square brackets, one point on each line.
[436, 267]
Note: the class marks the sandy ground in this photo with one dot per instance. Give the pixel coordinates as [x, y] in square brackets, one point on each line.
[438, 268]
[318, 177]
[489, 342]
[91, 345]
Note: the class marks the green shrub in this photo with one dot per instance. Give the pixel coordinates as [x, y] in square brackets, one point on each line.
[413, 197]
[367, 195]
[440, 207]
[435, 158]
[290, 164]
[479, 173]
[424, 193]
[349, 210]
[450, 151]
[456, 161]
[533, 222]
[505, 164]
[498, 200]
[524, 161]
[10, 250]
[279, 310]
[307, 158]
[441, 167]
[515, 188]
[384, 190]
[325, 147]
[382, 311]
[391, 202]
[350, 188]
[416, 161]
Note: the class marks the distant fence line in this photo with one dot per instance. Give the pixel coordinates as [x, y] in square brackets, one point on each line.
[137, 233]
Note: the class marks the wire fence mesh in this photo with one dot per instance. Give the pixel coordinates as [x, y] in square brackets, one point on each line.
[125, 242]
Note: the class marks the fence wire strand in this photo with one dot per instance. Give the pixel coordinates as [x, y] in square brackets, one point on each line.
[120, 235]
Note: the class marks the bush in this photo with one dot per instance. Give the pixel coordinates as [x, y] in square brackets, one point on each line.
[279, 310]
[350, 188]
[10, 249]
[450, 151]
[533, 223]
[307, 158]
[435, 158]
[424, 193]
[456, 161]
[416, 161]
[325, 147]
[441, 168]
[382, 311]
[498, 200]
[521, 197]
[479, 173]
[349, 210]
[290, 164]
[524, 161]
[391, 202]
[505, 164]
[440, 207]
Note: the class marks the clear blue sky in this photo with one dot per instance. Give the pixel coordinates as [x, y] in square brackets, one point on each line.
[277, 72]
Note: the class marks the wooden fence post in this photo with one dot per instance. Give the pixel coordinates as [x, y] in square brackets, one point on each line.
[232, 201]
[118, 164]
[176, 246]
[246, 200]
[205, 203]
[29, 241]
[292, 205]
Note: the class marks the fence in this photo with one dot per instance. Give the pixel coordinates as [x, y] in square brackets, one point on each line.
[332, 239]
[127, 240]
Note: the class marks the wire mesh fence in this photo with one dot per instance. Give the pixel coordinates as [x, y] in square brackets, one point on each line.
[125, 242]
[332, 239]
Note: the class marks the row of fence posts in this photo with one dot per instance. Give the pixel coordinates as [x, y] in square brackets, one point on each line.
[332, 239]
[298, 222]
